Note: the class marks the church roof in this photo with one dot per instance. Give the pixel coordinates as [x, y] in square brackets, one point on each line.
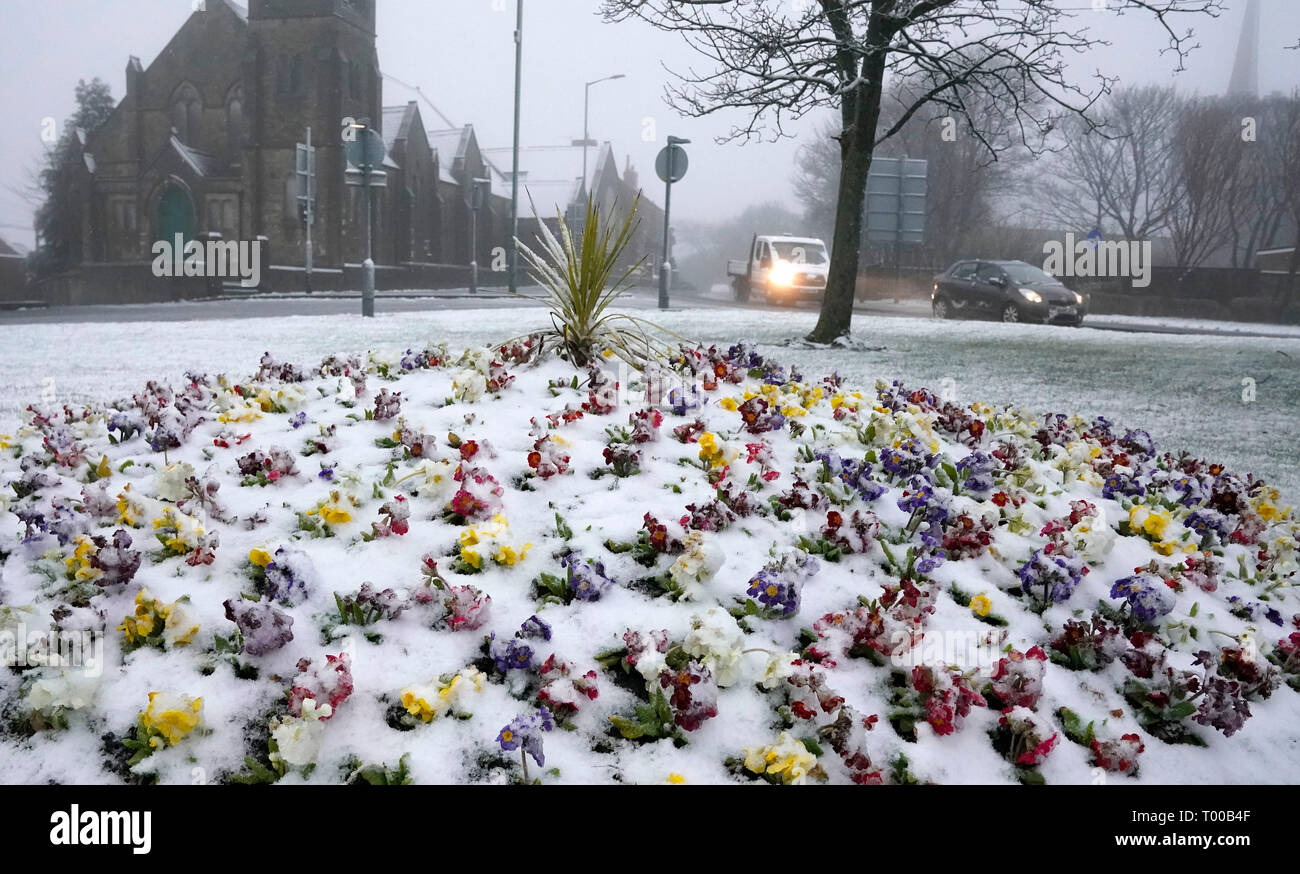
[397, 123]
[450, 144]
[200, 161]
[241, 11]
[551, 175]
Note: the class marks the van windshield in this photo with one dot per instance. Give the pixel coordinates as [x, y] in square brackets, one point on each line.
[801, 253]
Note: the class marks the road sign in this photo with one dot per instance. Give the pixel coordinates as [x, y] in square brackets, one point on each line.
[671, 163]
[306, 173]
[366, 149]
[896, 197]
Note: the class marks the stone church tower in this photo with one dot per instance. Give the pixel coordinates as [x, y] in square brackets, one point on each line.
[307, 63]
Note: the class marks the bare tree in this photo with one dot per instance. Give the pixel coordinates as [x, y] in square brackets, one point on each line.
[1207, 164]
[1258, 205]
[776, 60]
[1284, 144]
[1117, 173]
[965, 179]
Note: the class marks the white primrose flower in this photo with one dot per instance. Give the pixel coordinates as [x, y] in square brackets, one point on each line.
[469, 386]
[779, 667]
[700, 560]
[297, 740]
[170, 482]
[716, 638]
[66, 690]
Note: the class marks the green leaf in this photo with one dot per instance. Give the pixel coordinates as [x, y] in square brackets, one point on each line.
[1075, 730]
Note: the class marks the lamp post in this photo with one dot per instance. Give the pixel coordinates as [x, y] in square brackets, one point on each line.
[586, 114]
[514, 174]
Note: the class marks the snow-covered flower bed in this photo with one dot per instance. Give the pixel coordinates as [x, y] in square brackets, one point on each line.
[472, 566]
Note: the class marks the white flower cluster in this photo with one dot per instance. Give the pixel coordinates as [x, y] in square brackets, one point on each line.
[697, 564]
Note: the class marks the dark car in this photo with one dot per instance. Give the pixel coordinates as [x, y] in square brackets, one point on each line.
[1011, 291]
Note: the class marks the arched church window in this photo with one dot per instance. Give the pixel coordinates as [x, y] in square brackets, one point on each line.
[235, 128]
[187, 114]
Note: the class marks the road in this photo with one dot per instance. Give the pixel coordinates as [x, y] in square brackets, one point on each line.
[280, 306]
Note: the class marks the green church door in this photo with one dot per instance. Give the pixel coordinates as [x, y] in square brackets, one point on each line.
[175, 215]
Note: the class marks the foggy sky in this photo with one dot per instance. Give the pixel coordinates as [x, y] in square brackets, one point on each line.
[461, 53]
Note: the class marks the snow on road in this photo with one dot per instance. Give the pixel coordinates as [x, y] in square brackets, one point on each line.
[1187, 390]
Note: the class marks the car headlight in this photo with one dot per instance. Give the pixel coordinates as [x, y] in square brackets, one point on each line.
[781, 274]
[1030, 295]
[1078, 297]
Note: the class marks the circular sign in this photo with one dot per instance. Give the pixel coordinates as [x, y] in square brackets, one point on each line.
[367, 149]
[671, 163]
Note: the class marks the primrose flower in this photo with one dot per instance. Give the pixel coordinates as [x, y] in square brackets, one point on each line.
[54, 693]
[787, 760]
[1147, 595]
[1152, 523]
[441, 697]
[334, 511]
[169, 718]
[980, 605]
[717, 640]
[699, 561]
[526, 731]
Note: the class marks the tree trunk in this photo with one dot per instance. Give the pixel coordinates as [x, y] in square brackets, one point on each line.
[846, 246]
[857, 145]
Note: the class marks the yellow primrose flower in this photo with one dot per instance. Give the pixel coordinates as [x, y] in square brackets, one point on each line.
[787, 759]
[729, 404]
[417, 706]
[676, 779]
[259, 557]
[1150, 522]
[170, 718]
[332, 511]
[102, 470]
[126, 509]
[980, 605]
[793, 412]
[507, 555]
[710, 451]
[469, 537]
[608, 353]
[471, 558]
[1266, 511]
[79, 566]
[4, 441]
[248, 413]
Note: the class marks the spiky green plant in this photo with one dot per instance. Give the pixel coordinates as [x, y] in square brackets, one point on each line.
[575, 274]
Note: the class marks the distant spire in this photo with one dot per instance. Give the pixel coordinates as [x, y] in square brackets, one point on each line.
[1245, 69]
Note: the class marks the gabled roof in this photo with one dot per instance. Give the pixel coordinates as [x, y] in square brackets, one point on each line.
[451, 145]
[550, 175]
[397, 123]
[241, 11]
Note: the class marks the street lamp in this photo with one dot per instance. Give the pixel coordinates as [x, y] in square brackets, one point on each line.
[513, 266]
[586, 107]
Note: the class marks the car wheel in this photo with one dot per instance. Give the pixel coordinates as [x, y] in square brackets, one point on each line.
[741, 287]
[1011, 314]
[941, 310]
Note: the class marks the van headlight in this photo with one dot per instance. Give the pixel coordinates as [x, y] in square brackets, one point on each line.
[1078, 297]
[1030, 295]
[781, 274]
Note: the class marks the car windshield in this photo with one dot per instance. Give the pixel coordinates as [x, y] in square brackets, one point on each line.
[801, 253]
[1025, 273]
